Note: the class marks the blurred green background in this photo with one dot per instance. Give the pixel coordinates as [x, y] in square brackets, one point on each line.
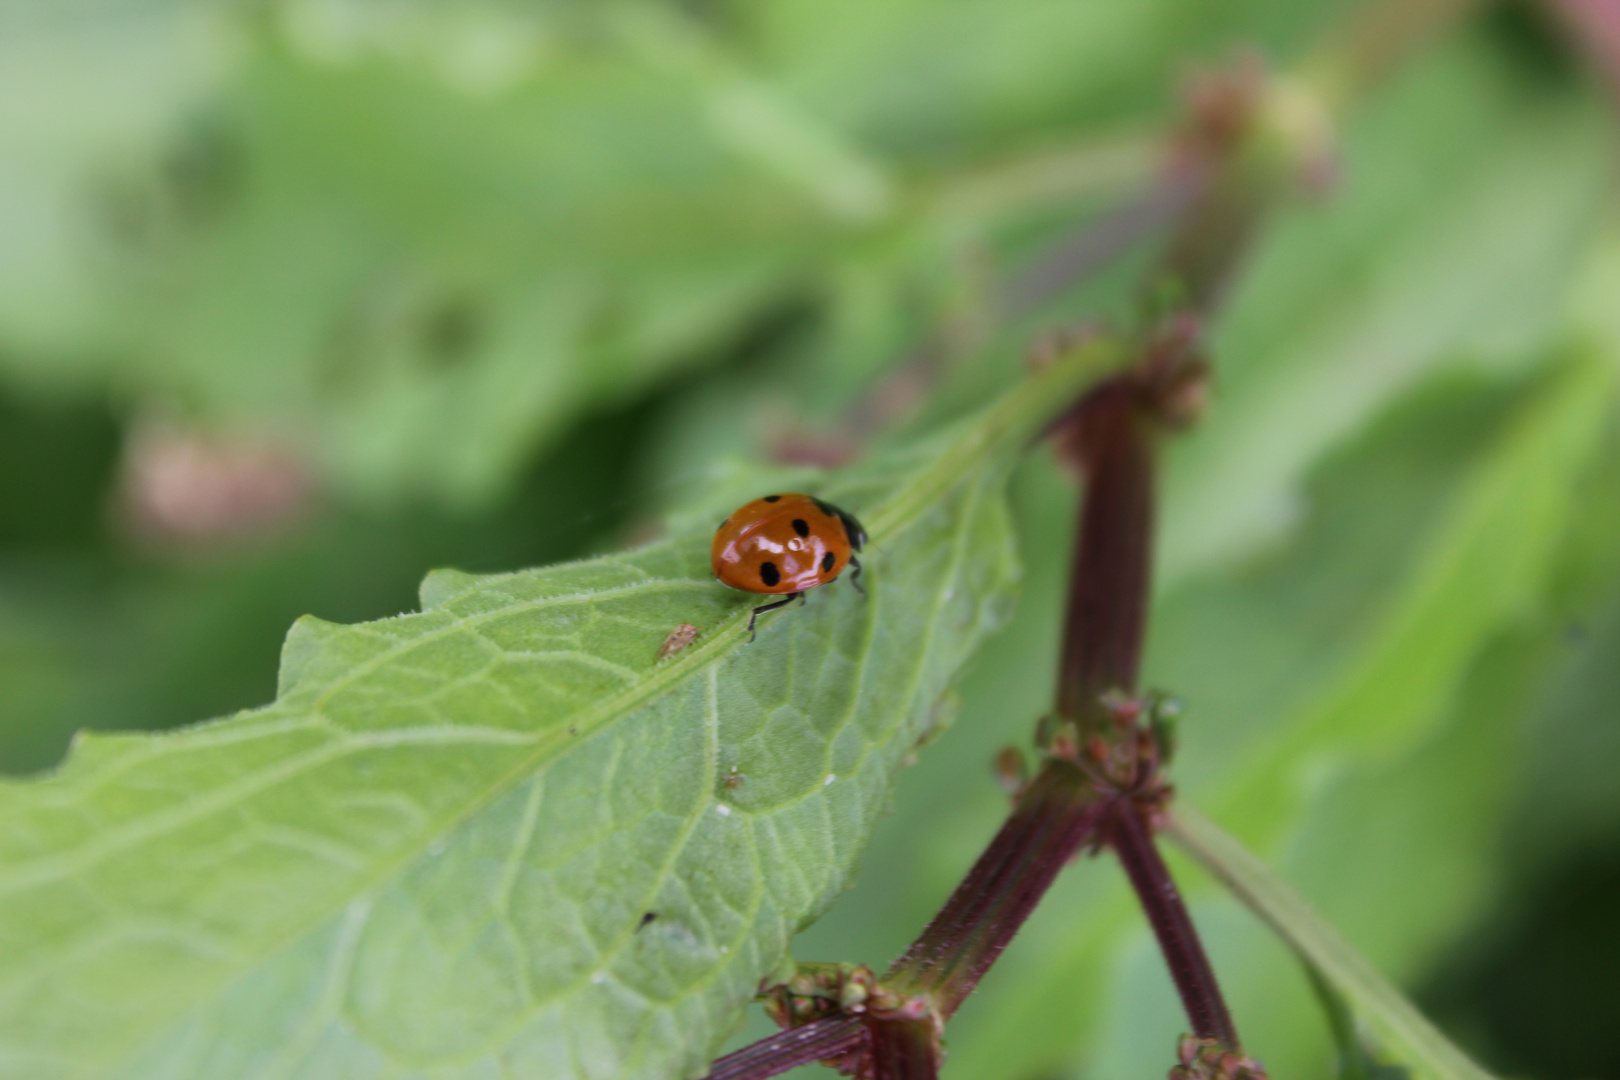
[300, 299]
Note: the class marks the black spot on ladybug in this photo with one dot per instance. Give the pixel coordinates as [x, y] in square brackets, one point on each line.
[801, 526]
[647, 918]
[769, 574]
[773, 498]
[828, 561]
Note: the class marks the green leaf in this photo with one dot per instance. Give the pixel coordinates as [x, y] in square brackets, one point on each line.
[417, 241]
[1485, 570]
[1470, 194]
[438, 850]
[86, 87]
[1407, 1035]
[924, 79]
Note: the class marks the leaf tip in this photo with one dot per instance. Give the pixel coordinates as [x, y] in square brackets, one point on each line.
[440, 585]
[307, 637]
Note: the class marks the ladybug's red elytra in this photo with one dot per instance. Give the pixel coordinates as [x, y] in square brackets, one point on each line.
[785, 545]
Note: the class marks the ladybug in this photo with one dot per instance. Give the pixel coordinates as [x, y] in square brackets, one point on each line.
[785, 545]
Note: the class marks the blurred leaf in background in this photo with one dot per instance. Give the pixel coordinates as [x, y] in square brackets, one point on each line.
[496, 283]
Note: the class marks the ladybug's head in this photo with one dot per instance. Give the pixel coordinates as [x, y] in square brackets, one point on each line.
[856, 531]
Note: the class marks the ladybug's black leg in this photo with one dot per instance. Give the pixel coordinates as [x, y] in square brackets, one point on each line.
[855, 578]
[763, 608]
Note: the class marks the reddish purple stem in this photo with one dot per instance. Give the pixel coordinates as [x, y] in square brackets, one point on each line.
[789, 1049]
[1055, 818]
[1110, 580]
[1132, 839]
[1102, 647]
[903, 1050]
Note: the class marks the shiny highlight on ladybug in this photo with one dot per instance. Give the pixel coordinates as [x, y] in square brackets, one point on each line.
[784, 545]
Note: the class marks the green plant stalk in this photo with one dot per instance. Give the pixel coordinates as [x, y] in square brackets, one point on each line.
[1355, 1061]
[1318, 944]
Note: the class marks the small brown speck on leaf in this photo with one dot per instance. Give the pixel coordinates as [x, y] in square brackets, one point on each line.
[678, 639]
